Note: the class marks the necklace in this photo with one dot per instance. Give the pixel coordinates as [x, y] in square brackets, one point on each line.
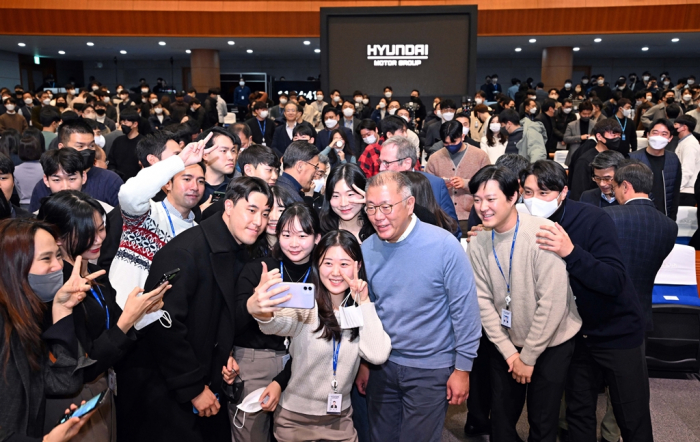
[304, 276]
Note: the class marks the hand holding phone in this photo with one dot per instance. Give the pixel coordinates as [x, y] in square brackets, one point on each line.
[85, 408]
[302, 294]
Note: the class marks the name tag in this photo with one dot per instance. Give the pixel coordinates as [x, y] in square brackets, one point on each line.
[112, 381]
[506, 318]
[335, 403]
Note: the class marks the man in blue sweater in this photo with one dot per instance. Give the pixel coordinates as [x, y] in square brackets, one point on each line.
[422, 285]
[610, 343]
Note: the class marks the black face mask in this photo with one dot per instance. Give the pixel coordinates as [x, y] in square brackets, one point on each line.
[302, 103]
[670, 100]
[585, 119]
[612, 143]
[126, 129]
[100, 112]
[60, 104]
[88, 157]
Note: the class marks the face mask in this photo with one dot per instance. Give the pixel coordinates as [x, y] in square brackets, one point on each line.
[158, 110]
[648, 98]
[621, 87]
[143, 91]
[100, 140]
[193, 110]
[585, 119]
[10, 107]
[453, 148]
[494, 80]
[94, 88]
[541, 208]
[105, 99]
[478, 100]
[302, 104]
[46, 286]
[46, 101]
[251, 404]
[318, 184]
[365, 101]
[633, 79]
[119, 90]
[670, 100]
[387, 94]
[438, 113]
[533, 110]
[495, 127]
[90, 116]
[601, 82]
[667, 83]
[100, 112]
[392, 111]
[263, 114]
[336, 99]
[88, 157]
[627, 112]
[382, 105]
[283, 101]
[532, 97]
[657, 142]
[690, 81]
[554, 97]
[127, 129]
[645, 78]
[584, 81]
[566, 110]
[348, 112]
[319, 97]
[153, 100]
[465, 131]
[567, 85]
[612, 143]
[448, 116]
[686, 97]
[637, 103]
[407, 119]
[370, 139]
[241, 83]
[331, 123]
[358, 99]
[28, 101]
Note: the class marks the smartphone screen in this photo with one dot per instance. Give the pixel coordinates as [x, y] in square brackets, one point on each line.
[85, 408]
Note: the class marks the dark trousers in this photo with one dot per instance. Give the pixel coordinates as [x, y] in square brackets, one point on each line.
[479, 400]
[359, 414]
[543, 395]
[687, 199]
[625, 372]
[407, 404]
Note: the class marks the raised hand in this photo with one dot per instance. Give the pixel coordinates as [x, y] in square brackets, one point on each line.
[73, 291]
[137, 305]
[259, 304]
[358, 287]
[192, 153]
[358, 199]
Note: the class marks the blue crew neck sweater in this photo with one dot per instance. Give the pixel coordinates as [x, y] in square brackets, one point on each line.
[424, 292]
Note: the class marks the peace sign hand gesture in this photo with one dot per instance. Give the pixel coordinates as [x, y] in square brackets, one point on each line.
[73, 291]
[192, 153]
[358, 199]
[358, 287]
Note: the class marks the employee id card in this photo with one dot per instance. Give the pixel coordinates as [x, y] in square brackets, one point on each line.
[335, 403]
[506, 318]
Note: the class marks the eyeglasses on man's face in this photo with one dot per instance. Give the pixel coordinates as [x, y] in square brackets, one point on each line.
[386, 209]
[386, 163]
[315, 166]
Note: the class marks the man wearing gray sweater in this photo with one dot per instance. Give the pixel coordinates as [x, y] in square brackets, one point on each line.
[527, 309]
[421, 283]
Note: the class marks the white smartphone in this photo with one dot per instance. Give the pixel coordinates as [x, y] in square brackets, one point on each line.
[303, 295]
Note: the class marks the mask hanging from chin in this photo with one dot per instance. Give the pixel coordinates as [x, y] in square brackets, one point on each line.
[541, 208]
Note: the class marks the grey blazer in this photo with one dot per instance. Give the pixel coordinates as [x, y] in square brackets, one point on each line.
[572, 137]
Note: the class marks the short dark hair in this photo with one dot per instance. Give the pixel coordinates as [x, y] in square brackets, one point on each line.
[509, 116]
[304, 129]
[129, 115]
[259, 105]
[243, 186]
[622, 102]
[6, 165]
[595, 101]
[606, 125]
[257, 154]
[29, 149]
[392, 123]
[673, 110]
[219, 132]
[607, 159]
[687, 120]
[585, 105]
[299, 150]
[330, 109]
[447, 103]
[638, 174]
[664, 122]
[240, 127]
[506, 179]
[513, 162]
[68, 128]
[548, 104]
[153, 144]
[452, 129]
[368, 124]
[550, 175]
[67, 159]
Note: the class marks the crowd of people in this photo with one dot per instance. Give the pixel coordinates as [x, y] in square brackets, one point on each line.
[153, 251]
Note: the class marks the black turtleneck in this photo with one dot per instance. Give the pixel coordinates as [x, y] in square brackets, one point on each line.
[295, 272]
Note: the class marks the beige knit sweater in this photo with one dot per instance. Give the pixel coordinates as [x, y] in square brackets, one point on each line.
[543, 309]
[312, 357]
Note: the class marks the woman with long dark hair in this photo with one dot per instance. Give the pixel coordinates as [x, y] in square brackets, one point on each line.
[495, 139]
[344, 201]
[328, 341]
[261, 357]
[338, 150]
[34, 364]
[423, 192]
[100, 325]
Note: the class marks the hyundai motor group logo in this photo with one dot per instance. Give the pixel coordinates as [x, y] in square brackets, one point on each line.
[397, 55]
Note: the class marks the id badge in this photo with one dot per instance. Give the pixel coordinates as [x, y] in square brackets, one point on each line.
[112, 381]
[623, 137]
[335, 403]
[506, 318]
[350, 317]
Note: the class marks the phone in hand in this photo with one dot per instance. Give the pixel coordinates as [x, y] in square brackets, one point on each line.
[167, 277]
[216, 196]
[85, 408]
[303, 294]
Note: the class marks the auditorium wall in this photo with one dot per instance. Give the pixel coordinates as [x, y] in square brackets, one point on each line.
[9, 69]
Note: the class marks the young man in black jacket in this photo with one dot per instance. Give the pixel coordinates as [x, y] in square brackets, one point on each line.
[610, 343]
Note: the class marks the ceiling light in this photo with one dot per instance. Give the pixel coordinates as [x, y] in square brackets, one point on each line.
[90, 43]
[307, 42]
[123, 52]
[675, 40]
[187, 51]
[250, 51]
[162, 43]
[597, 40]
[533, 40]
[62, 52]
[21, 45]
[645, 48]
[576, 49]
[231, 43]
[518, 49]
[318, 51]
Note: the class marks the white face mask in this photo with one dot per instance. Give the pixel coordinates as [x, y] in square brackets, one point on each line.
[336, 99]
[100, 140]
[358, 99]
[382, 105]
[584, 81]
[627, 112]
[408, 119]
[494, 80]
[533, 110]
[241, 83]
[666, 83]
[318, 184]
[438, 113]
[532, 97]
[28, 101]
[46, 101]
[105, 99]
[331, 123]
[658, 142]
[645, 78]
[638, 102]
[319, 97]
[566, 110]
[118, 91]
[74, 92]
[263, 114]
[691, 81]
[478, 100]
[621, 87]
[541, 208]
[448, 116]
[365, 101]
[283, 101]
[144, 91]
[392, 111]
[251, 404]
[348, 112]
[687, 97]
[10, 107]
[94, 88]
[495, 127]
[465, 131]
[601, 82]
[387, 94]
[567, 85]
[158, 110]
[370, 139]
[153, 100]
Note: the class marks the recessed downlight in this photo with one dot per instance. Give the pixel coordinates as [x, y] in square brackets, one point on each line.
[518, 49]
[90, 43]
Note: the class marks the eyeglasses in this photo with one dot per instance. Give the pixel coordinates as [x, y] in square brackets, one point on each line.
[315, 166]
[386, 163]
[602, 179]
[386, 209]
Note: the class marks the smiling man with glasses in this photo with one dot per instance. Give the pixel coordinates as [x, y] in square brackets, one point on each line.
[300, 164]
[604, 166]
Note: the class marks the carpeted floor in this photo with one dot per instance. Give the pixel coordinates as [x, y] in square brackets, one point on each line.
[675, 413]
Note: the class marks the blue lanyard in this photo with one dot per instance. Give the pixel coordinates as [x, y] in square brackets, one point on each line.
[510, 265]
[336, 350]
[623, 127]
[282, 272]
[167, 212]
[262, 128]
[102, 301]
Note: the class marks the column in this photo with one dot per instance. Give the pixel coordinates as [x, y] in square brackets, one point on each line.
[557, 66]
[206, 72]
